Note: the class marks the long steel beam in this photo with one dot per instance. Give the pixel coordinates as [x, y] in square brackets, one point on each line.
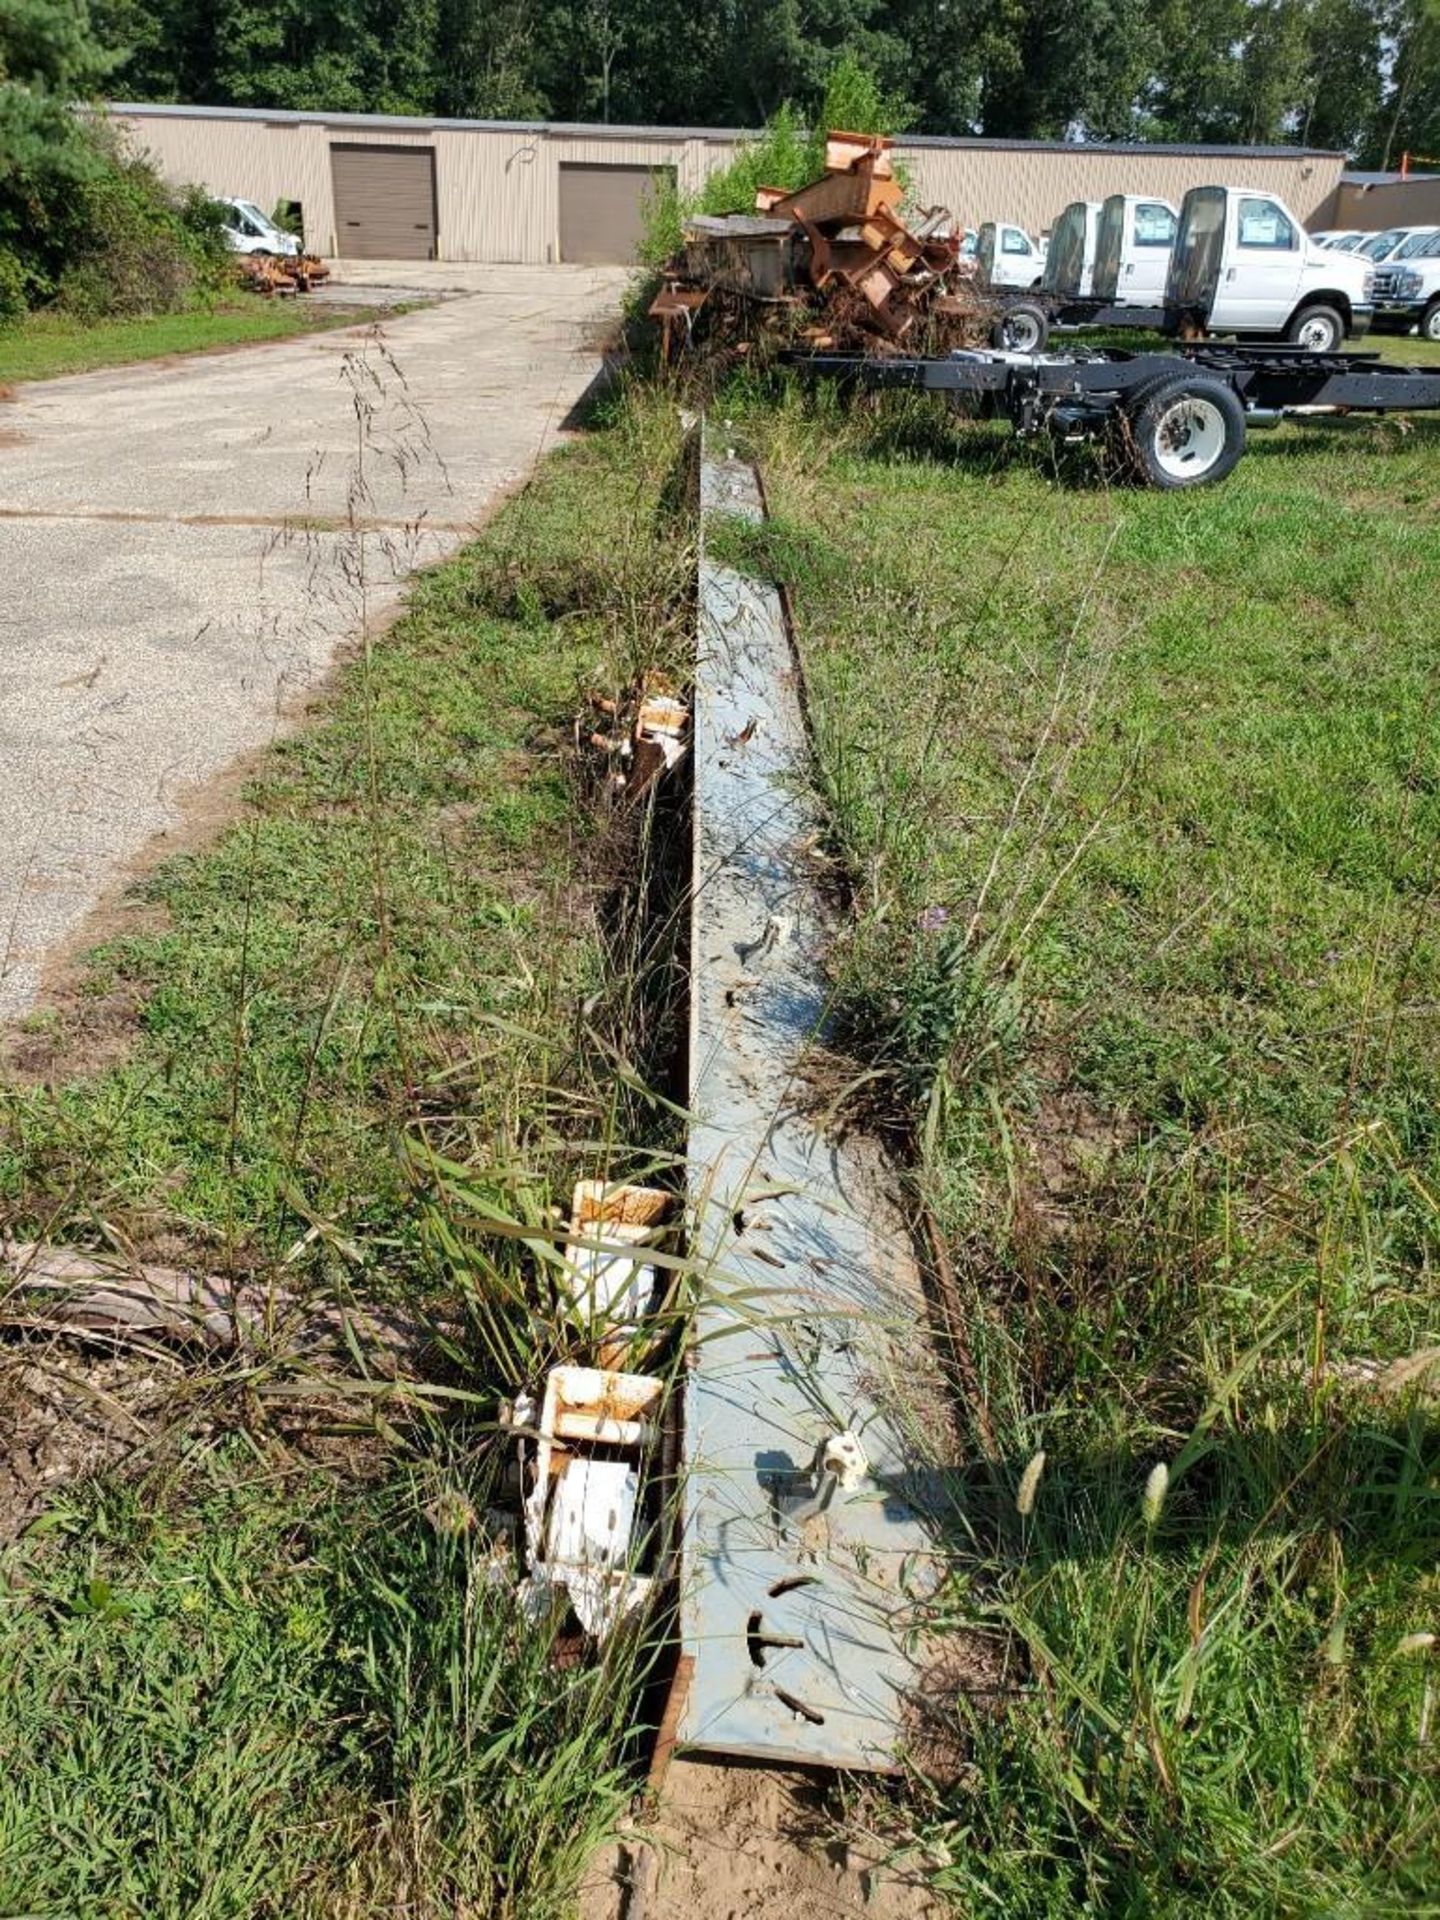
[802, 1585]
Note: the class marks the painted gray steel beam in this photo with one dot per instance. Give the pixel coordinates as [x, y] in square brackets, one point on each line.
[801, 1617]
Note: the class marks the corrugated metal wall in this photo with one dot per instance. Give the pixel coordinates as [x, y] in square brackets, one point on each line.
[1031, 186]
[498, 187]
[1396, 203]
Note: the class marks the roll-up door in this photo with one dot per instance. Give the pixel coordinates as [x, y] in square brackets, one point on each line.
[384, 202]
[602, 211]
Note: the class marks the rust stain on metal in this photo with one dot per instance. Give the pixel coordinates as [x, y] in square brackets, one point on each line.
[835, 251]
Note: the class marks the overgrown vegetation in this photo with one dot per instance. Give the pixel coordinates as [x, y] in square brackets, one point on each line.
[1135, 796]
[250, 1691]
[358, 1049]
[84, 224]
[786, 155]
[1138, 798]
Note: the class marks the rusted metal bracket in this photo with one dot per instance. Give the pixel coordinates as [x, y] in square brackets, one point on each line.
[806, 1555]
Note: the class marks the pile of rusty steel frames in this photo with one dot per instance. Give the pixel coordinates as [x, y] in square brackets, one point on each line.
[267, 273]
[836, 252]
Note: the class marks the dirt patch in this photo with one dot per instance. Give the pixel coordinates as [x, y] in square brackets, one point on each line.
[1067, 1146]
[65, 1416]
[85, 1029]
[738, 1842]
[12, 436]
[977, 1669]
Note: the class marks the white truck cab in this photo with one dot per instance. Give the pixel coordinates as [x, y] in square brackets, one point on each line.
[1132, 249]
[1407, 287]
[1070, 262]
[248, 230]
[1243, 264]
[1007, 256]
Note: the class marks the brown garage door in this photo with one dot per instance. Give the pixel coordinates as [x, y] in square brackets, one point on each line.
[602, 212]
[384, 202]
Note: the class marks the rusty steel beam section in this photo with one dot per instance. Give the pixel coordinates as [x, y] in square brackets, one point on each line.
[807, 1554]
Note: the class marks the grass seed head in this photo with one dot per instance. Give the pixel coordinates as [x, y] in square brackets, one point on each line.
[1155, 1489]
[1030, 1484]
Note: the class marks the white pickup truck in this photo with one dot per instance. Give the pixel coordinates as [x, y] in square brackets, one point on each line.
[1407, 288]
[1243, 264]
[1006, 256]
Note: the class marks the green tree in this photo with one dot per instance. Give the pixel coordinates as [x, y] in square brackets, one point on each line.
[1360, 74]
[49, 59]
[1407, 115]
[1048, 71]
[1346, 60]
[486, 64]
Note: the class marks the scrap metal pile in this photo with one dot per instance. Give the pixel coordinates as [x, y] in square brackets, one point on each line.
[831, 264]
[268, 273]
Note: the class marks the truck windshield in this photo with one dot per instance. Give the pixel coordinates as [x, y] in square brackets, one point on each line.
[1065, 261]
[1195, 263]
[1107, 247]
[1417, 243]
[1381, 244]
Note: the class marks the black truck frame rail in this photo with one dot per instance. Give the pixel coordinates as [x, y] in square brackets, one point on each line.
[1027, 321]
[1179, 417]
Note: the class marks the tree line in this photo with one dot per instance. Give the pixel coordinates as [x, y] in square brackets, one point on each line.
[1359, 75]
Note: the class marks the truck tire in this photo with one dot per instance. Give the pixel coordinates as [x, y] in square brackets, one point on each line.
[1317, 329]
[1186, 432]
[1023, 327]
[1430, 322]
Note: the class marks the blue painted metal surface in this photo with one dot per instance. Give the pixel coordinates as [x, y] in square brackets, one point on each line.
[799, 1602]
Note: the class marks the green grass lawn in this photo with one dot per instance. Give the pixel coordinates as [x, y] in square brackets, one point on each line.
[1402, 349]
[1140, 799]
[45, 345]
[1406, 348]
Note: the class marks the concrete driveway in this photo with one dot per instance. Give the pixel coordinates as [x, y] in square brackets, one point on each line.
[186, 543]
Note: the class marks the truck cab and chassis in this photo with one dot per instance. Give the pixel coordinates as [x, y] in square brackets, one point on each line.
[1240, 265]
[1172, 419]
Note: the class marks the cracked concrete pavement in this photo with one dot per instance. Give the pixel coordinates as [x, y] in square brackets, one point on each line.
[187, 542]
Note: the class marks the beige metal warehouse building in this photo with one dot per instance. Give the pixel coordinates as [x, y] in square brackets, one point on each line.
[1372, 201]
[377, 187]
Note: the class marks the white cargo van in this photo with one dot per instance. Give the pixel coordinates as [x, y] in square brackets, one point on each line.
[248, 230]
